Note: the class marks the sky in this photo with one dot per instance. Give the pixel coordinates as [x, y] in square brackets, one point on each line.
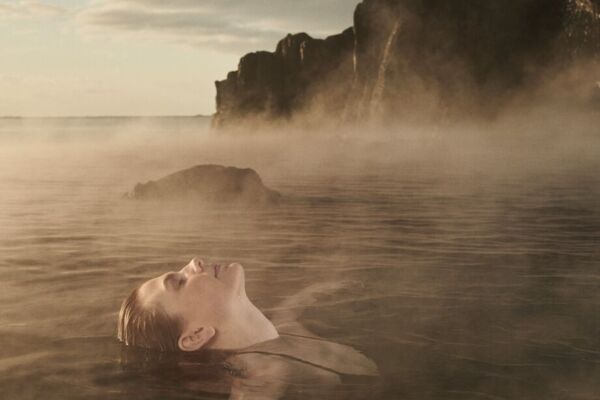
[140, 57]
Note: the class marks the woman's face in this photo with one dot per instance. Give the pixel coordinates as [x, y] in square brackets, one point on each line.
[200, 294]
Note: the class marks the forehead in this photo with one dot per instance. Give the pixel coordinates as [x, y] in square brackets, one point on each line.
[151, 290]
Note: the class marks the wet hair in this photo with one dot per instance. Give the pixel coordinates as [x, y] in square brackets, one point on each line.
[148, 327]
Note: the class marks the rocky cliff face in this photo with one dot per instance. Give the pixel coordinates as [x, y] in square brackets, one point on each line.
[443, 57]
[270, 85]
[437, 57]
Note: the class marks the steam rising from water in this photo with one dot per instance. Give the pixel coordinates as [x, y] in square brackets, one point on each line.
[476, 242]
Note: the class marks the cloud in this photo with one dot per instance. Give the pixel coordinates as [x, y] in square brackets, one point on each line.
[28, 9]
[231, 25]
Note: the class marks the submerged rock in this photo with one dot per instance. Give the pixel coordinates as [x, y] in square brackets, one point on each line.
[210, 183]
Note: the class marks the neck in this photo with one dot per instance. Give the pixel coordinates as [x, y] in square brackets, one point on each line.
[250, 327]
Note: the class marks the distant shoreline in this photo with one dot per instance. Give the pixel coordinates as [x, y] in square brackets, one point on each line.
[106, 117]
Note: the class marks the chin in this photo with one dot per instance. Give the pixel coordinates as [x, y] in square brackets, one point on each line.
[238, 277]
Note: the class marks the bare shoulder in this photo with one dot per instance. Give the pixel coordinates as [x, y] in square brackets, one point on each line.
[272, 367]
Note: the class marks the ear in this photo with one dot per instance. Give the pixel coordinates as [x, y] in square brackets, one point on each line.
[195, 339]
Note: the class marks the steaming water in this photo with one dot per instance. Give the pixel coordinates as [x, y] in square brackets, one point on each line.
[480, 282]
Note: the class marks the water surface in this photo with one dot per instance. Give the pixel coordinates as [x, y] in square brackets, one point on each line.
[480, 269]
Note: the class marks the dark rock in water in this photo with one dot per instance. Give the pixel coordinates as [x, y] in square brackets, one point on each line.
[437, 57]
[211, 183]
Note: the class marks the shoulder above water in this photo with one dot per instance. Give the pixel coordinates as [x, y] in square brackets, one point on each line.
[313, 355]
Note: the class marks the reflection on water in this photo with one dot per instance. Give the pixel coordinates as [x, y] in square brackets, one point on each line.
[478, 284]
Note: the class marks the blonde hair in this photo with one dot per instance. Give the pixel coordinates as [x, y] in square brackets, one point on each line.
[148, 327]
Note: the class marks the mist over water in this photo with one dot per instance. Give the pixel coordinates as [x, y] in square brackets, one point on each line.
[478, 246]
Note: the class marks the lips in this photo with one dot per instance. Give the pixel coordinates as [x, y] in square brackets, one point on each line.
[217, 269]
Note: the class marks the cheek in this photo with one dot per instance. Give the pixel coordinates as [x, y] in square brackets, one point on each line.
[205, 295]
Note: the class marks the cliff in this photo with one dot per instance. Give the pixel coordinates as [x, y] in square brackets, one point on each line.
[405, 57]
[271, 85]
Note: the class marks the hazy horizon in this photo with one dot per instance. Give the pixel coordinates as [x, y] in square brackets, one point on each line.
[102, 116]
[72, 58]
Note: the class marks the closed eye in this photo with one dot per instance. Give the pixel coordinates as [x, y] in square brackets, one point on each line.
[174, 281]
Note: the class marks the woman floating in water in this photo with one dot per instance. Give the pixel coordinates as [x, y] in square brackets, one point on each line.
[205, 307]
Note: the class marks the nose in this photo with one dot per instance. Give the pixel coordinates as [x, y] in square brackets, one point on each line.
[195, 266]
